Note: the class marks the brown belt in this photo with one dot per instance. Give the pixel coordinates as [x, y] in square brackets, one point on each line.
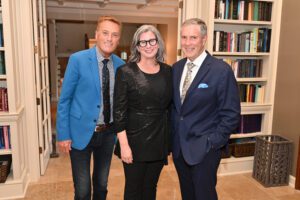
[102, 127]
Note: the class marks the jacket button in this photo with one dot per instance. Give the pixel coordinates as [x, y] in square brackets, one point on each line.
[181, 118]
[98, 106]
[95, 120]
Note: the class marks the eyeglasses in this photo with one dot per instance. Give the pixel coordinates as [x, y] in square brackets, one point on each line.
[143, 43]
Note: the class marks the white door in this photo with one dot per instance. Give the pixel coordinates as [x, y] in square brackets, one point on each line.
[42, 82]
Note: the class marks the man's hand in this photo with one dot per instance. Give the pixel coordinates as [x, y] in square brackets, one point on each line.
[64, 146]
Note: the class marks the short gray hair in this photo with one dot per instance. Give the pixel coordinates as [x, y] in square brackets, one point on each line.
[135, 55]
[197, 21]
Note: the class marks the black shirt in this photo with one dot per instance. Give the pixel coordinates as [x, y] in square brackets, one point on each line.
[141, 104]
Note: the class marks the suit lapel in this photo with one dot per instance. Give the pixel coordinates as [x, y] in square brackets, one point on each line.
[113, 58]
[94, 68]
[199, 76]
[177, 78]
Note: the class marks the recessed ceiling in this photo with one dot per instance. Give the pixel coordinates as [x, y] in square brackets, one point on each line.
[145, 8]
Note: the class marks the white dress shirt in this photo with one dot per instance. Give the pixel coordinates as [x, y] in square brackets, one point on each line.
[198, 62]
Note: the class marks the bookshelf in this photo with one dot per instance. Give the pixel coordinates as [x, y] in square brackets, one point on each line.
[242, 32]
[230, 19]
[12, 117]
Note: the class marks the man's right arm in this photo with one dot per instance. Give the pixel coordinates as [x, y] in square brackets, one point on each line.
[64, 104]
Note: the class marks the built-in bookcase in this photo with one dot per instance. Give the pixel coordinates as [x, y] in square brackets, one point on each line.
[12, 127]
[245, 34]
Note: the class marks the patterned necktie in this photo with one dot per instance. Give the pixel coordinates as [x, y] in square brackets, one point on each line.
[105, 92]
[187, 81]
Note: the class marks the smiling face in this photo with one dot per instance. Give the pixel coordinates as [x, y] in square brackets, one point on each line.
[149, 51]
[192, 42]
[107, 37]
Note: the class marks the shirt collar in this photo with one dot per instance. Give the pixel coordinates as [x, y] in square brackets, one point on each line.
[199, 60]
[100, 57]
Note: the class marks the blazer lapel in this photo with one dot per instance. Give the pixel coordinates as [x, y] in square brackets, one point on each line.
[177, 78]
[199, 76]
[113, 58]
[95, 68]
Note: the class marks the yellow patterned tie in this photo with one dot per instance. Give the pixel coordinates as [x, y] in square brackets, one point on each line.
[187, 81]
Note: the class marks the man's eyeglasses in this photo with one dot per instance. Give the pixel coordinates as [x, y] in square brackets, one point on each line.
[143, 43]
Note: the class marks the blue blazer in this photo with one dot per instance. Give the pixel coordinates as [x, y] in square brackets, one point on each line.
[79, 102]
[209, 113]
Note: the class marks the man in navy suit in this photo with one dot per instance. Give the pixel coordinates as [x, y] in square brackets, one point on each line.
[206, 111]
[84, 113]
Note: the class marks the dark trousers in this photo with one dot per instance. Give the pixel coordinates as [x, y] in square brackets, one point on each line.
[101, 146]
[198, 182]
[141, 180]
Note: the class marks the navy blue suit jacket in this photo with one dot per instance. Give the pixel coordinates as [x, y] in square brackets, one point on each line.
[209, 113]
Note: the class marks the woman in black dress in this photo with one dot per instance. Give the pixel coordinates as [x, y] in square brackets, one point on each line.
[142, 97]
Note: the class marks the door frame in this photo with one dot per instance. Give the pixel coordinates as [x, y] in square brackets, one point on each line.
[42, 82]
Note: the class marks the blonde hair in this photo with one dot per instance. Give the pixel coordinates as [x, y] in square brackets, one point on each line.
[108, 18]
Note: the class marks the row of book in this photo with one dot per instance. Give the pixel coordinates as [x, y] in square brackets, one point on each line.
[3, 99]
[250, 123]
[245, 68]
[252, 93]
[2, 63]
[243, 10]
[5, 137]
[256, 40]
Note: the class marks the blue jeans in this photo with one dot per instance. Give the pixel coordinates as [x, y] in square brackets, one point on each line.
[101, 145]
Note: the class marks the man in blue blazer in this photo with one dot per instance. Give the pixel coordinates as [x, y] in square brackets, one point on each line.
[206, 111]
[84, 116]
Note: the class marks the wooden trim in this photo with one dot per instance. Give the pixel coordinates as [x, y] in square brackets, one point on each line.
[297, 184]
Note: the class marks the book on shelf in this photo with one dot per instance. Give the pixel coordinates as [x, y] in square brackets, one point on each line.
[243, 10]
[1, 35]
[3, 99]
[253, 41]
[2, 63]
[245, 68]
[5, 137]
[250, 123]
[250, 92]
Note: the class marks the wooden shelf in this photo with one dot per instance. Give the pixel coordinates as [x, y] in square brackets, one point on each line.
[259, 79]
[242, 22]
[2, 76]
[5, 151]
[245, 135]
[244, 54]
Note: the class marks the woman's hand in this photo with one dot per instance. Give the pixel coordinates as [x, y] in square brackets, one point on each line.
[126, 154]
